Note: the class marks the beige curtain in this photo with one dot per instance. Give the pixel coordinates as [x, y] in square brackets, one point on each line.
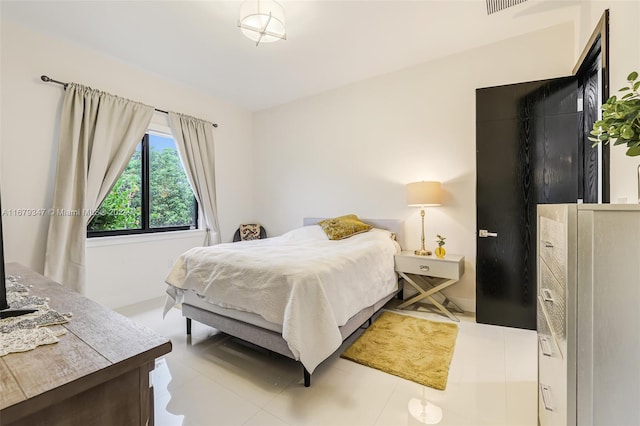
[194, 140]
[98, 134]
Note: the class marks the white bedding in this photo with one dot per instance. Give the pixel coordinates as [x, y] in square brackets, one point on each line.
[301, 280]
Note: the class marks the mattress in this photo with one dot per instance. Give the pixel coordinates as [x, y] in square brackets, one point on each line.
[301, 281]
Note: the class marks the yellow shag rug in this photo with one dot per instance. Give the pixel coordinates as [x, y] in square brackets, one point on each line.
[412, 348]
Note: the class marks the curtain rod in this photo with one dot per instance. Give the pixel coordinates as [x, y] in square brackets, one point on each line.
[64, 85]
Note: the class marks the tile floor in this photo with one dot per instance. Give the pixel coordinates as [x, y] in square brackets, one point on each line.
[213, 379]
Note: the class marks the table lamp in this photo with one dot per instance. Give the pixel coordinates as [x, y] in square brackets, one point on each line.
[423, 194]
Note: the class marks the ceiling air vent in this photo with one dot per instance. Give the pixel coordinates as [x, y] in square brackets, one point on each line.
[494, 6]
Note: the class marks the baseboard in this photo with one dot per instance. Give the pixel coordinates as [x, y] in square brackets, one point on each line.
[466, 304]
[126, 310]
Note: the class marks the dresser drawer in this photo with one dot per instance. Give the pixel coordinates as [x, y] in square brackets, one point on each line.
[551, 295]
[552, 247]
[552, 405]
[547, 343]
[552, 375]
[422, 265]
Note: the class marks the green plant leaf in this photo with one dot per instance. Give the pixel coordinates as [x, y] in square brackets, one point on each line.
[620, 122]
[633, 151]
[596, 141]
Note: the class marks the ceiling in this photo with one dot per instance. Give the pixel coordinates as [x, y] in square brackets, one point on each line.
[330, 43]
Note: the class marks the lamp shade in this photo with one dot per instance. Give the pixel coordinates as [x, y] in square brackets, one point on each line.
[262, 21]
[423, 194]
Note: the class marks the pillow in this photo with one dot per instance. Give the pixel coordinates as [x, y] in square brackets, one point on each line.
[250, 232]
[342, 227]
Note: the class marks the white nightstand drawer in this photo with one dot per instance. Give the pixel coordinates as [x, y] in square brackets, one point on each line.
[451, 267]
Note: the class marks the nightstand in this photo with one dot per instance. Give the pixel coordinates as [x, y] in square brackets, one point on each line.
[429, 275]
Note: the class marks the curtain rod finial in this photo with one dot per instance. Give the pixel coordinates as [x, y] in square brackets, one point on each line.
[48, 79]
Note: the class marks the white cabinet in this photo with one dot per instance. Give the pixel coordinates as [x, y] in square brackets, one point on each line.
[588, 314]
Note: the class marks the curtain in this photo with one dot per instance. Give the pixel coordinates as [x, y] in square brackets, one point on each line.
[98, 135]
[194, 140]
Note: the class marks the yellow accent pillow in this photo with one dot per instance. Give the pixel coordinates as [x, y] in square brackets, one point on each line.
[342, 227]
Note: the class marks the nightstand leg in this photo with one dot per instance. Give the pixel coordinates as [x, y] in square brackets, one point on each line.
[415, 299]
[428, 294]
[421, 290]
[443, 309]
[421, 293]
[427, 281]
[448, 302]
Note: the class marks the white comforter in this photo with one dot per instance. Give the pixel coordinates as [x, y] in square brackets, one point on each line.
[301, 280]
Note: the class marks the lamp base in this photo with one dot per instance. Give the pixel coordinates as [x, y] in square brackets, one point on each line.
[422, 253]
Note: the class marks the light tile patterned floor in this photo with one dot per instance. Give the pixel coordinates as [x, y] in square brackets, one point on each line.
[212, 379]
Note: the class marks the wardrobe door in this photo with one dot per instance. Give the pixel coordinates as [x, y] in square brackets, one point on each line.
[527, 154]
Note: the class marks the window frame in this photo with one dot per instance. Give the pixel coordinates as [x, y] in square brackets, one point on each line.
[144, 202]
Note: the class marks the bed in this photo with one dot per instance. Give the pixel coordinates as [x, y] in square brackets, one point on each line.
[298, 294]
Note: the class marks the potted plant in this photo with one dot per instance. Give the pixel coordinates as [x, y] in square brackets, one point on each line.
[620, 121]
[440, 251]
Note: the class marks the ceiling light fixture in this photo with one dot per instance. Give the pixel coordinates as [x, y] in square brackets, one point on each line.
[262, 21]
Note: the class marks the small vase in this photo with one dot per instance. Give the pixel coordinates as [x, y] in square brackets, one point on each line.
[440, 252]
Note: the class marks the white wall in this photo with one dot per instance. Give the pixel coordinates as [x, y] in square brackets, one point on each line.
[29, 119]
[624, 57]
[353, 149]
[348, 150]
[143, 262]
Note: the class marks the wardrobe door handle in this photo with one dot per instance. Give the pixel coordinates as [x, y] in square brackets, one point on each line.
[483, 233]
[548, 244]
[547, 296]
[545, 391]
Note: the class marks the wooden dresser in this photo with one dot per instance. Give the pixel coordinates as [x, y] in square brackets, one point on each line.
[98, 374]
[588, 314]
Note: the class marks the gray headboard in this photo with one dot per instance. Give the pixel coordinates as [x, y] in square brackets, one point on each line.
[393, 225]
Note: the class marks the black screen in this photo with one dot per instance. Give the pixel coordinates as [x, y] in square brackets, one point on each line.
[3, 290]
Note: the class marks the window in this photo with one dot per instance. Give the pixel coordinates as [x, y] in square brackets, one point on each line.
[152, 194]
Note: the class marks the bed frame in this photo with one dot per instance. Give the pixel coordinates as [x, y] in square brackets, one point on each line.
[272, 340]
